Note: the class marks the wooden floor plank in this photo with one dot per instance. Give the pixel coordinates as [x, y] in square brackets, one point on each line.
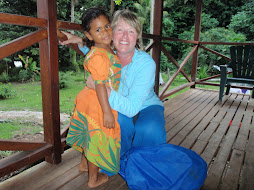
[39, 173]
[61, 180]
[247, 182]
[242, 137]
[199, 117]
[216, 138]
[219, 165]
[181, 120]
[232, 174]
[214, 175]
[178, 101]
[80, 182]
[182, 111]
[206, 132]
[193, 136]
[192, 119]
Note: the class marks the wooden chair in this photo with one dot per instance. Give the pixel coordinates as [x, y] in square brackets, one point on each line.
[242, 64]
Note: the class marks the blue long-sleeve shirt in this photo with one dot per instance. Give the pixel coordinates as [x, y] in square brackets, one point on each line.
[136, 90]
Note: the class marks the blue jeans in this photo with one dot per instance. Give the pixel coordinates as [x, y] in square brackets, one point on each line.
[148, 129]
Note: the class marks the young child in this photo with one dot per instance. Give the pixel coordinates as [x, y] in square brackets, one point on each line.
[94, 130]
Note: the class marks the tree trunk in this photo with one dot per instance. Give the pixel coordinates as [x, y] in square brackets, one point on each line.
[112, 9]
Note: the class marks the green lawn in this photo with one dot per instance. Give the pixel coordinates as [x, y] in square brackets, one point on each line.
[28, 96]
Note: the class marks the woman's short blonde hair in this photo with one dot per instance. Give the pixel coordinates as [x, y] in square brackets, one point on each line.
[132, 19]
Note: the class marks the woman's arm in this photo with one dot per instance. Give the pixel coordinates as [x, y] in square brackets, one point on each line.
[141, 88]
[108, 117]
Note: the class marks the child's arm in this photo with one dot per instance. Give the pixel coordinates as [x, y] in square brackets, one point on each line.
[108, 117]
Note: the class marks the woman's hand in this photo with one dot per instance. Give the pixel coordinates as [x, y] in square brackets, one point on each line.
[72, 39]
[90, 82]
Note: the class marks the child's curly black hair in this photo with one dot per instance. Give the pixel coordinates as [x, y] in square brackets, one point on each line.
[88, 16]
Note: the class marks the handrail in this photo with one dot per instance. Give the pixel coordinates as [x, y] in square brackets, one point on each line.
[21, 159]
[22, 42]
[6, 18]
[68, 25]
[19, 145]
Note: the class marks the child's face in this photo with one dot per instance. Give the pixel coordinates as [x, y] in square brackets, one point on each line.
[100, 31]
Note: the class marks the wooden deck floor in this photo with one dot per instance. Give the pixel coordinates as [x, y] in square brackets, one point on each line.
[221, 132]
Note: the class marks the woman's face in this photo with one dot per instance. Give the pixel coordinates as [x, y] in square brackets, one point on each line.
[124, 38]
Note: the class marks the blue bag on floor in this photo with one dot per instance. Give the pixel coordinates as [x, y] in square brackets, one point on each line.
[163, 167]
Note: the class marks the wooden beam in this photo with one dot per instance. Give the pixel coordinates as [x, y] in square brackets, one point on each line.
[22, 43]
[228, 43]
[21, 159]
[49, 80]
[157, 29]
[196, 38]
[207, 83]
[175, 90]
[232, 86]
[149, 46]
[68, 26]
[65, 130]
[149, 36]
[194, 49]
[180, 40]
[6, 18]
[19, 145]
[212, 77]
[170, 57]
[215, 52]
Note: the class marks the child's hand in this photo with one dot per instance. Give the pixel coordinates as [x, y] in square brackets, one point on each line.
[71, 39]
[109, 120]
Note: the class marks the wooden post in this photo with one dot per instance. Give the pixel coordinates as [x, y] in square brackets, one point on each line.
[49, 79]
[196, 38]
[157, 30]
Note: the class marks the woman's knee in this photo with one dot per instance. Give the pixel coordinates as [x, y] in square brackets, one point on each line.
[150, 127]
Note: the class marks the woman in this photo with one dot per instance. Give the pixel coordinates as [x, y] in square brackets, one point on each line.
[147, 162]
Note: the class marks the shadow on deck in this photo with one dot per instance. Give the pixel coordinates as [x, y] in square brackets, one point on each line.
[221, 132]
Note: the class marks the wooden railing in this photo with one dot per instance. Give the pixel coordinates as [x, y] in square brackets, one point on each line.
[47, 36]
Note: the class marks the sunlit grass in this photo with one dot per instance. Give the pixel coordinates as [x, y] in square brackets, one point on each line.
[9, 129]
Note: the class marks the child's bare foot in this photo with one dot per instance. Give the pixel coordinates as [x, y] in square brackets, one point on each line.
[102, 178]
[83, 166]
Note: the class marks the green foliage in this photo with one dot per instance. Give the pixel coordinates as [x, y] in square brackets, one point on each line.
[143, 9]
[65, 78]
[208, 22]
[202, 71]
[243, 21]
[118, 2]
[222, 10]
[23, 76]
[6, 91]
[4, 77]
[31, 70]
